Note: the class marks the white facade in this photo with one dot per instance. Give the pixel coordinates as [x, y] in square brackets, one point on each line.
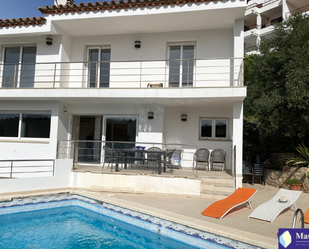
[261, 15]
[62, 86]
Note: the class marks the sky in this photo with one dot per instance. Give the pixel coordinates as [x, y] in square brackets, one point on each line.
[27, 8]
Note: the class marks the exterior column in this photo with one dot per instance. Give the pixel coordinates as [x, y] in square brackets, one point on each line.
[259, 27]
[285, 10]
[238, 51]
[237, 142]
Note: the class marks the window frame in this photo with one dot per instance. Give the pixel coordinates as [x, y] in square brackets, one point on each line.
[98, 69]
[21, 49]
[19, 137]
[213, 129]
[181, 44]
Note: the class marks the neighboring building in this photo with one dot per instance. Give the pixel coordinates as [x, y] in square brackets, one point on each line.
[261, 15]
[83, 72]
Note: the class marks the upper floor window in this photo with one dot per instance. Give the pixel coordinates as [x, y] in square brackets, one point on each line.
[22, 125]
[213, 128]
[19, 67]
[99, 66]
[181, 65]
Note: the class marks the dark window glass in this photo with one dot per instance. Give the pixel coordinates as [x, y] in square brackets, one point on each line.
[28, 67]
[206, 128]
[105, 67]
[174, 66]
[187, 66]
[220, 128]
[93, 67]
[9, 125]
[35, 125]
[10, 67]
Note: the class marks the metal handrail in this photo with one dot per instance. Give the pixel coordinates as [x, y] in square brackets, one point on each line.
[301, 218]
[11, 166]
[122, 74]
[86, 62]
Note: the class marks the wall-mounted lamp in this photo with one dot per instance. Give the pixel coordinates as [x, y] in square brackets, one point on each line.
[137, 44]
[65, 109]
[150, 115]
[184, 117]
[49, 41]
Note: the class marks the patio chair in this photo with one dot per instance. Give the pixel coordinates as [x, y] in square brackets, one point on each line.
[220, 208]
[168, 160]
[258, 170]
[217, 156]
[201, 156]
[153, 157]
[269, 210]
[109, 156]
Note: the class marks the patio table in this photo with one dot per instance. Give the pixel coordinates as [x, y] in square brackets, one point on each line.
[125, 152]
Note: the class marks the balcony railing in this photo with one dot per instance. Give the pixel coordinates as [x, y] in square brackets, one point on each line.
[89, 152]
[299, 10]
[216, 72]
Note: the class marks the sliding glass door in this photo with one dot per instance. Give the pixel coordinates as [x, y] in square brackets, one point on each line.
[19, 67]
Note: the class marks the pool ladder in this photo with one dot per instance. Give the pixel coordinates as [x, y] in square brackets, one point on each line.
[301, 218]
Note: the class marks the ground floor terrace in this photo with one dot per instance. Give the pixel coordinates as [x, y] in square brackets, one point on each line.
[187, 210]
[71, 127]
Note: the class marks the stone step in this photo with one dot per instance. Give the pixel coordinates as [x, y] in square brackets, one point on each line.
[217, 180]
[213, 195]
[218, 188]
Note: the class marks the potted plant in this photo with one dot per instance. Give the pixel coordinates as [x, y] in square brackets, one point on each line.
[295, 184]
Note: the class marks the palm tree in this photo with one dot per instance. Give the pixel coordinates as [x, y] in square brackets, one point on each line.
[302, 159]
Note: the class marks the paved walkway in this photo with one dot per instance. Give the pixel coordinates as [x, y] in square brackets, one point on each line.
[187, 211]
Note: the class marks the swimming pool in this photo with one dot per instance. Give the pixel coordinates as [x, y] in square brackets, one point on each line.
[72, 221]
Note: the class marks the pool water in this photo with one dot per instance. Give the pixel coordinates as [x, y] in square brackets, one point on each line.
[75, 227]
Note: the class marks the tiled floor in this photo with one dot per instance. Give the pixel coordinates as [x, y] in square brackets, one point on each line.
[184, 172]
[236, 224]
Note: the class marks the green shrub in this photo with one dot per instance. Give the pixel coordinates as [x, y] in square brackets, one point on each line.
[293, 181]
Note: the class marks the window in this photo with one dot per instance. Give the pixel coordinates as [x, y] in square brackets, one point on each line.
[98, 66]
[181, 65]
[19, 67]
[25, 125]
[213, 128]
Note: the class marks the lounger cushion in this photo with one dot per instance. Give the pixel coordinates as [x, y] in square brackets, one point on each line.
[222, 207]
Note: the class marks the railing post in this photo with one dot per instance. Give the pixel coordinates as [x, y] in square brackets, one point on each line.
[15, 75]
[140, 75]
[55, 75]
[11, 174]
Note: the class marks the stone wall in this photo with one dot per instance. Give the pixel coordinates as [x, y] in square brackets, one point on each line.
[277, 178]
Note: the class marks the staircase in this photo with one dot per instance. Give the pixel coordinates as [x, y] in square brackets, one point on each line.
[216, 187]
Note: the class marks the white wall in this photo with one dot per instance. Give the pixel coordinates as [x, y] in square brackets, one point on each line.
[139, 184]
[177, 131]
[63, 178]
[30, 148]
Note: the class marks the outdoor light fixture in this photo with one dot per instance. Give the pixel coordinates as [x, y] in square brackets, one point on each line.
[137, 44]
[49, 41]
[150, 115]
[184, 117]
[65, 109]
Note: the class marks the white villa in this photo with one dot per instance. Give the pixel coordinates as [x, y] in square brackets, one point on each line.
[261, 15]
[152, 73]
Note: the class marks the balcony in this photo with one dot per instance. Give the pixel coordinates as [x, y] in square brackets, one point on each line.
[296, 11]
[189, 73]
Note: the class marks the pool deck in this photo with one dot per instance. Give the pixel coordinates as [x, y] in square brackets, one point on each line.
[187, 211]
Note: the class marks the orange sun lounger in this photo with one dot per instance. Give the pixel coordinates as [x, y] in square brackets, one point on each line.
[306, 217]
[222, 207]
